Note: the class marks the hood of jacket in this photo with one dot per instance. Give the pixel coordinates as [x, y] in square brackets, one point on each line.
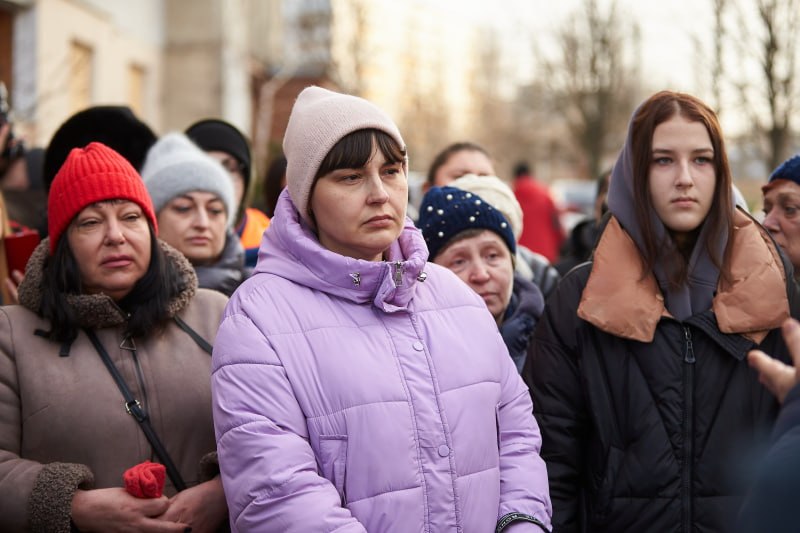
[291, 250]
[227, 272]
[696, 294]
[99, 310]
[621, 299]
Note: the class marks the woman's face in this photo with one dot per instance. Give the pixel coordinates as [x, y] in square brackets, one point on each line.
[682, 175]
[782, 220]
[235, 171]
[111, 245]
[484, 263]
[195, 224]
[359, 212]
[461, 163]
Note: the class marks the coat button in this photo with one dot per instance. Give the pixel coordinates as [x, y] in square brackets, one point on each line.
[443, 450]
[417, 346]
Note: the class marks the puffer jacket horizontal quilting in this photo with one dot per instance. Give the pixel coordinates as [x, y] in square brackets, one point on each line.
[375, 412]
[612, 412]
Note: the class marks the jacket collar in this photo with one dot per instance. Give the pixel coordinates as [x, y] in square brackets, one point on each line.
[227, 272]
[619, 298]
[291, 250]
[98, 311]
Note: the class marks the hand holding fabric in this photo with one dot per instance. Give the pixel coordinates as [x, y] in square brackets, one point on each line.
[113, 510]
[145, 480]
[202, 507]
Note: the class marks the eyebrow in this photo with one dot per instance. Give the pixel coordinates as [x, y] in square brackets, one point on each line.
[787, 196]
[695, 151]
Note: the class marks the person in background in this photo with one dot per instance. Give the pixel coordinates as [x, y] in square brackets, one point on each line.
[542, 231]
[457, 160]
[26, 198]
[16, 244]
[115, 126]
[578, 247]
[468, 230]
[225, 143]
[194, 202]
[770, 503]
[274, 183]
[104, 289]
[638, 369]
[782, 208]
[357, 387]
[463, 158]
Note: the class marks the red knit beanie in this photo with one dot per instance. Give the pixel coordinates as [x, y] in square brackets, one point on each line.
[92, 174]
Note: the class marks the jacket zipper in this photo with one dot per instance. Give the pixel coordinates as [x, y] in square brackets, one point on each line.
[398, 273]
[688, 428]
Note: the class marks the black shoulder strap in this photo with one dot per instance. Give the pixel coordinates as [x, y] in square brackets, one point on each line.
[200, 341]
[134, 408]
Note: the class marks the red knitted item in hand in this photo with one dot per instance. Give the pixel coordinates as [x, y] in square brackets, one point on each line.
[145, 480]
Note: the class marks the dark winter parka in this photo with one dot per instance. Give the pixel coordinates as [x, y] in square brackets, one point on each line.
[647, 407]
[645, 419]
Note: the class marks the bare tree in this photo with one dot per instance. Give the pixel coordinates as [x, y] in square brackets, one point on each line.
[765, 54]
[348, 69]
[494, 126]
[717, 66]
[595, 79]
[779, 21]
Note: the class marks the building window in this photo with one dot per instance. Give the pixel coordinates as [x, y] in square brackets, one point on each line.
[136, 88]
[80, 81]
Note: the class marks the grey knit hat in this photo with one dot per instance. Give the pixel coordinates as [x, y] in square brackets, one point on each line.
[320, 118]
[175, 166]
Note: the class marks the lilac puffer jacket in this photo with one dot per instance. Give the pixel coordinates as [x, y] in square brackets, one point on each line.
[359, 396]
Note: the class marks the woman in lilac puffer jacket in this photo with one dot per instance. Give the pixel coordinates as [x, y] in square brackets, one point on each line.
[355, 386]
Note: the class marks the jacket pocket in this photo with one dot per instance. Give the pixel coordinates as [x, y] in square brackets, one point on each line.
[333, 462]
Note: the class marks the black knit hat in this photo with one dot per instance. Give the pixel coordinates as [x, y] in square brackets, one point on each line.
[447, 211]
[218, 135]
[115, 126]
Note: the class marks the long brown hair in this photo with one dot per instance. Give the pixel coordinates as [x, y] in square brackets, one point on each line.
[659, 108]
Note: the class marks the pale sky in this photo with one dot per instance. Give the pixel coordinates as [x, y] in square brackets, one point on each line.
[669, 32]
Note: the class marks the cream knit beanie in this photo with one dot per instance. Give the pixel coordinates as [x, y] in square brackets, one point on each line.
[495, 191]
[320, 118]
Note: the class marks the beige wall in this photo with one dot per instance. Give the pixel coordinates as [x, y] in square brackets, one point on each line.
[192, 61]
[207, 62]
[59, 23]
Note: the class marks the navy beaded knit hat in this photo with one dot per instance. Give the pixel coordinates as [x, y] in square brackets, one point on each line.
[447, 211]
[788, 170]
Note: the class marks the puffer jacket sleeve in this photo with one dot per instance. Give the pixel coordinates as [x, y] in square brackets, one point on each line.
[552, 374]
[33, 496]
[268, 468]
[524, 494]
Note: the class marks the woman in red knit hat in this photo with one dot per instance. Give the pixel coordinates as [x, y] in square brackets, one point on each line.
[105, 364]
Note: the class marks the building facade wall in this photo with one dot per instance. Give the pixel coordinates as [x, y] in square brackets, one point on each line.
[46, 35]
